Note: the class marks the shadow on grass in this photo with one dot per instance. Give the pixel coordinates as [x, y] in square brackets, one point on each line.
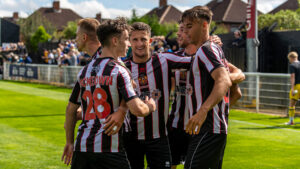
[272, 127]
[38, 115]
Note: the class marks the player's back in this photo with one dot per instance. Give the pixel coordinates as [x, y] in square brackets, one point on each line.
[102, 83]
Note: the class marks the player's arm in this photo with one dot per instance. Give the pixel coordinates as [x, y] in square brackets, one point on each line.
[115, 119]
[135, 104]
[69, 127]
[176, 62]
[221, 85]
[141, 108]
[236, 74]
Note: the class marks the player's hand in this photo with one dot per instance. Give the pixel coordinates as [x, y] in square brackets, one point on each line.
[67, 154]
[79, 114]
[195, 123]
[151, 104]
[114, 122]
[216, 39]
[294, 92]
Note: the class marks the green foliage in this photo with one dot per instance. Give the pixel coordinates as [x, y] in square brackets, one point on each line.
[286, 20]
[221, 29]
[39, 36]
[157, 29]
[70, 30]
[30, 25]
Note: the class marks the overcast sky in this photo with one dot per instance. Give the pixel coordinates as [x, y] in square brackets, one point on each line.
[110, 8]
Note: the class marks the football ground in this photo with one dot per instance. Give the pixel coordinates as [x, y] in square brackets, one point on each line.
[32, 134]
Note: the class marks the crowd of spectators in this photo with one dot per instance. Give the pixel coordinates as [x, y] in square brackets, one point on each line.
[14, 53]
[66, 54]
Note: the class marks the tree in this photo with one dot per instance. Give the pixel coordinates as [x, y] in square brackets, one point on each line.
[30, 25]
[70, 30]
[286, 20]
[220, 29]
[39, 36]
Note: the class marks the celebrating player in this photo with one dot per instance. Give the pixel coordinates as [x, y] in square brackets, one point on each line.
[209, 100]
[102, 83]
[148, 136]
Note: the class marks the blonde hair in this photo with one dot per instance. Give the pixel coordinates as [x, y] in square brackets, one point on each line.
[292, 55]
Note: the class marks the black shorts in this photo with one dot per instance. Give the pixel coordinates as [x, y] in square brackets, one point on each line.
[157, 153]
[84, 160]
[206, 151]
[179, 141]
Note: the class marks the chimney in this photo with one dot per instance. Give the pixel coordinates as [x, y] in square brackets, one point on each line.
[162, 3]
[99, 16]
[16, 16]
[56, 6]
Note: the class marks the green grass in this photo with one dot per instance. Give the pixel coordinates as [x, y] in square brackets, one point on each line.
[32, 134]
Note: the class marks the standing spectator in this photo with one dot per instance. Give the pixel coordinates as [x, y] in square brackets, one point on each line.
[295, 84]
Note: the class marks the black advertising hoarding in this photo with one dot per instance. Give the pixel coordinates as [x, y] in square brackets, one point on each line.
[29, 72]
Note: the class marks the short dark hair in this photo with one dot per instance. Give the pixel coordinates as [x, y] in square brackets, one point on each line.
[111, 27]
[198, 12]
[89, 26]
[141, 26]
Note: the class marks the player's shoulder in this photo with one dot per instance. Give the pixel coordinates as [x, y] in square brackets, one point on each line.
[169, 54]
[210, 49]
[210, 46]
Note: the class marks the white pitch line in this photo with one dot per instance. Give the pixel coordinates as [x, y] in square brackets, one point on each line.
[262, 125]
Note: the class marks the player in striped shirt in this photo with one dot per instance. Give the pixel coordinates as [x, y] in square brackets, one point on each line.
[148, 136]
[179, 115]
[209, 102]
[102, 84]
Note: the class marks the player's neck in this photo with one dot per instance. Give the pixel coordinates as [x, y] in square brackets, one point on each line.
[202, 40]
[108, 52]
[190, 49]
[92, 47]
[144, 59]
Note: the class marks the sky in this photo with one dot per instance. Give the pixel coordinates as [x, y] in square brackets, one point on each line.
[110, 8]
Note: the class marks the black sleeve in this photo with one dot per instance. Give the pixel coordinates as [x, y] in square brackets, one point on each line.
[210, 56]
[75, 95]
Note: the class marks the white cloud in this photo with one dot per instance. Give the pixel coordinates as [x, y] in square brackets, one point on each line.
[89, 8]
[24, 7]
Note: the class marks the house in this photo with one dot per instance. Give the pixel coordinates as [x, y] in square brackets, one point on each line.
[58, 17]
[165, 13]
[14, 19]
[288, 5]
[229, 13]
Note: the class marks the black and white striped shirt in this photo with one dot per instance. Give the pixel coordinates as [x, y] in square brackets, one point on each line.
[208, 58]
[101, 86]
[153, 79]
[179, 115]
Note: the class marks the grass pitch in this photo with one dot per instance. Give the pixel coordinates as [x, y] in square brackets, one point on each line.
[32, 134]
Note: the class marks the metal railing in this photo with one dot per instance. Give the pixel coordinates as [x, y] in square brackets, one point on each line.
[265, 91]
[50, 74]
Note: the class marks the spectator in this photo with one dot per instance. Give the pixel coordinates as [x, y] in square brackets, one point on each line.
[238, 39]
